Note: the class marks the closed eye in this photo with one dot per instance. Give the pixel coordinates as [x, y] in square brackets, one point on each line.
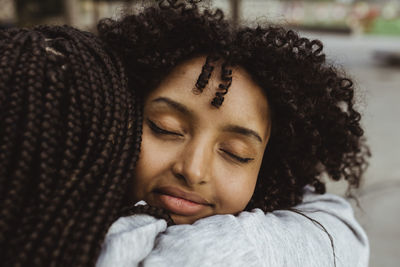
[236, 157]
[158, 130]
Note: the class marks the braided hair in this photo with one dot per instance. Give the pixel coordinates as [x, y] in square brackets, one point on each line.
[69, 139]
[316, 130]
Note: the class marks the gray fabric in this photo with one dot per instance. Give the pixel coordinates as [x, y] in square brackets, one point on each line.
[279, 238]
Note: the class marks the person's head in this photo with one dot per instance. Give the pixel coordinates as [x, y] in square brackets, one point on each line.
[68, 144]
[199, 152]
[197, 75]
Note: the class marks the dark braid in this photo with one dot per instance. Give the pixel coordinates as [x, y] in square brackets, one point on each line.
[70, 133]
[15, 191]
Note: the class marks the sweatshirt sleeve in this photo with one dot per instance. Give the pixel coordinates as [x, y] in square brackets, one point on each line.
[129, 240]
[279, 238]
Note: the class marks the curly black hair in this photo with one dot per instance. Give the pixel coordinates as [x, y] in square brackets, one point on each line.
[315, 128]
[69, 140]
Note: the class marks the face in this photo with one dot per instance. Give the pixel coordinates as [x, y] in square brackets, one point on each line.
[197, 160]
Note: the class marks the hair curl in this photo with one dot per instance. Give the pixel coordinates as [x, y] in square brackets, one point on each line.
[315, 128]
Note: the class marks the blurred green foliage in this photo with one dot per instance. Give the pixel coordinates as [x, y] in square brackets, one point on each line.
[385, 26]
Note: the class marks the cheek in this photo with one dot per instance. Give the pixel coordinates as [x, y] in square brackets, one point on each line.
[153, 162]
[235, 191]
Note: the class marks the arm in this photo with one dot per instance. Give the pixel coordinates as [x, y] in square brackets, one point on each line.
[129, 240]
[280, 238]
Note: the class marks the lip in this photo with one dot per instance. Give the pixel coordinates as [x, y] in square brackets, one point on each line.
[176, 192]
[180, 202]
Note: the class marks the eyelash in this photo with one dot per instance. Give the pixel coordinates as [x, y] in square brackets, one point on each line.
[237, 158]
[158, 130]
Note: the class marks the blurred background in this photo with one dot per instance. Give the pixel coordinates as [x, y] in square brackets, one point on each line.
[361, 36]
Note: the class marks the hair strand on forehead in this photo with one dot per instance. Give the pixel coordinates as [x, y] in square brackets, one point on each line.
[205, 74]
[226, 77]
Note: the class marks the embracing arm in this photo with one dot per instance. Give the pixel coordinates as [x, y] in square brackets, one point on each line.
[129, 240]
[280, 238]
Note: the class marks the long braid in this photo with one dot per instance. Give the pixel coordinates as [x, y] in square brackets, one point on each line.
[70, 139]
[100, 190]
[77, 234]
[115, 194]
[73, 133]
[9, 111]
[86, 156]
[25, 158]
[34, 140]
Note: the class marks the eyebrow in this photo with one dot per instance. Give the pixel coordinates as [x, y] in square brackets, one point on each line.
[243, 131]
[229, 128]
[175, 105]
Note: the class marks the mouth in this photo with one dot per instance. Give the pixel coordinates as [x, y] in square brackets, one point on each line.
[180, 202]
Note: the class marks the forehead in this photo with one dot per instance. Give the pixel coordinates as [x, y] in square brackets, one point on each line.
[245, 102]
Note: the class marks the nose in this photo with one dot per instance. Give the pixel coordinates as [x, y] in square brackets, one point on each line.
[194, 163]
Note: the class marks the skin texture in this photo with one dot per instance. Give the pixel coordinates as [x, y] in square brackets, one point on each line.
[198, 154]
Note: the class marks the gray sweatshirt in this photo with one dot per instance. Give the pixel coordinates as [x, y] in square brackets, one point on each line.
[279, 238]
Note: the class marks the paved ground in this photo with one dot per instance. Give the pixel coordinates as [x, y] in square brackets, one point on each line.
[380, 105]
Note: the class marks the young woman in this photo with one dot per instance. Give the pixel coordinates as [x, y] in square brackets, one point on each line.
[234, 119]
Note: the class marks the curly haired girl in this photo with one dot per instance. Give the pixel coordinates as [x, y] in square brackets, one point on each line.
[234, 119]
